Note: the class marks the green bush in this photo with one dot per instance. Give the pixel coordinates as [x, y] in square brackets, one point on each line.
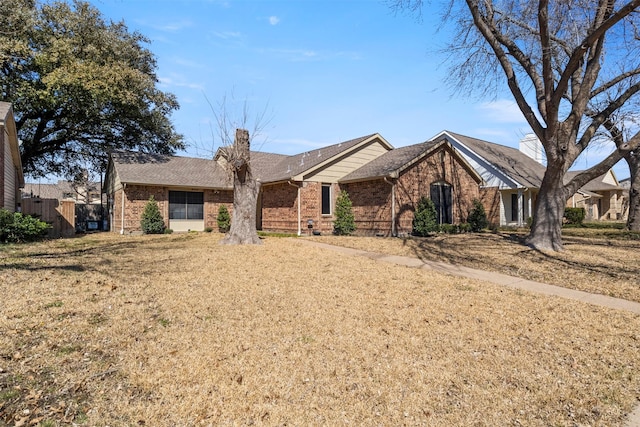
[425, 220]
[152, 221]
[477, 217]
[224, 219]
[208, 229]
[574, 216]
[345, 222]
[449, 228]
[18, 228]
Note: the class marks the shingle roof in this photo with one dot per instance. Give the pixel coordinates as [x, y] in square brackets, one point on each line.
[157, 169]
[47, 191]
[290, 166]
[596, 184]
[510, 161]
[390, 163]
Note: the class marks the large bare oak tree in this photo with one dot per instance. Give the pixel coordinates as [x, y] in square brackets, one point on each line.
[570, 65]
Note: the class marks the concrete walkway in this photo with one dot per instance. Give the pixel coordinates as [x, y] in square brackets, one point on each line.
[633, 419]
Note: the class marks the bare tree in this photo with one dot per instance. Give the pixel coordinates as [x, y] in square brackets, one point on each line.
[246, 187]
[570, 65]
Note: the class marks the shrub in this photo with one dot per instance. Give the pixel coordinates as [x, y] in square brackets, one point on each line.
[477, 217]
[425, 220]
[152, 221]
[574, 216]
[449, 228]
[18, 228]
[224, 219]
[345, 222]
[208, 229]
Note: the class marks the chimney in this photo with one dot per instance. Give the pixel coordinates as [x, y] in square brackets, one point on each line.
[532, 147]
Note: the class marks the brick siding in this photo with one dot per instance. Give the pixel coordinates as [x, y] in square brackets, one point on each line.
[372, 199]
[137, 196]
[280, 208]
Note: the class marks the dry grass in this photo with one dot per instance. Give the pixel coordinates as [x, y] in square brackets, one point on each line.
[603, 262]
[180, 331]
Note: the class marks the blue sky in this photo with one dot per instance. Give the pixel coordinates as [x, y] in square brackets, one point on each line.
[324, 71]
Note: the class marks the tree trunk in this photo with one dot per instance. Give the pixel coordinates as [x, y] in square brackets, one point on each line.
[245, 194]
[633, 221]
[546, 229]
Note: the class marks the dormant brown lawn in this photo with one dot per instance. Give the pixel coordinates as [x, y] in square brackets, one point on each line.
[180, 331]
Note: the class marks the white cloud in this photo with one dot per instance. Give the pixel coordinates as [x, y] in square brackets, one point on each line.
[179, 81]
[502, 111]
[274, 20]
[226, 35]
[170, 27]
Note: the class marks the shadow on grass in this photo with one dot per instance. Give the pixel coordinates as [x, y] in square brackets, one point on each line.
[32, 267]
[511, 247]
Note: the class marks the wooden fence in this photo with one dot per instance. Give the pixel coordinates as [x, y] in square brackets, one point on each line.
[59, 214]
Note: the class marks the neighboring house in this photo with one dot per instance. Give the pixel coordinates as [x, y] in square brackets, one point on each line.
[88, 211]
[11, 175]
[602, 198]
[88, 193]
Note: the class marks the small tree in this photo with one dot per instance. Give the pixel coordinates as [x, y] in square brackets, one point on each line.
[574, 216]
[344, 223]
[477, 217]
[152, 221]
[425, 219]
[224, 219]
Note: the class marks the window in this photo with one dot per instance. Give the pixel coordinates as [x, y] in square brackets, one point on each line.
[326, 199]
[514, 207]
[442, 199]
[186, 205]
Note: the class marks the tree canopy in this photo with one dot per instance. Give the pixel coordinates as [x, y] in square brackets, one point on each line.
[80, 87]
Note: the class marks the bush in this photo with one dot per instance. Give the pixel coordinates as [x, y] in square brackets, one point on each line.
[152, 221]
[477, 217]
[449, 228]
[224, 219]
[345, 222]
[208, 229]
[574, 216]
[425, 220]
[18, 228]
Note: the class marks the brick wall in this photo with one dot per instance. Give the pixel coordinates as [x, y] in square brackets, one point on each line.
[371, 201]
[3, 152]
[490, 198]
[280, 208]
[440, 166]
[213, 199]
[137, 196]
[311, 203]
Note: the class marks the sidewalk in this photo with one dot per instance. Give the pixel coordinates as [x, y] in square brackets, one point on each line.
[633, 419]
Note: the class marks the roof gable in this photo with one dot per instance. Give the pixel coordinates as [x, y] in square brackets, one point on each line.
[393, 163]
[301, 166]
[499, 165]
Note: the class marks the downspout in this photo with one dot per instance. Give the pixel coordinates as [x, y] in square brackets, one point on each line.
[393, 207]
[124, 187]
[299, 212]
